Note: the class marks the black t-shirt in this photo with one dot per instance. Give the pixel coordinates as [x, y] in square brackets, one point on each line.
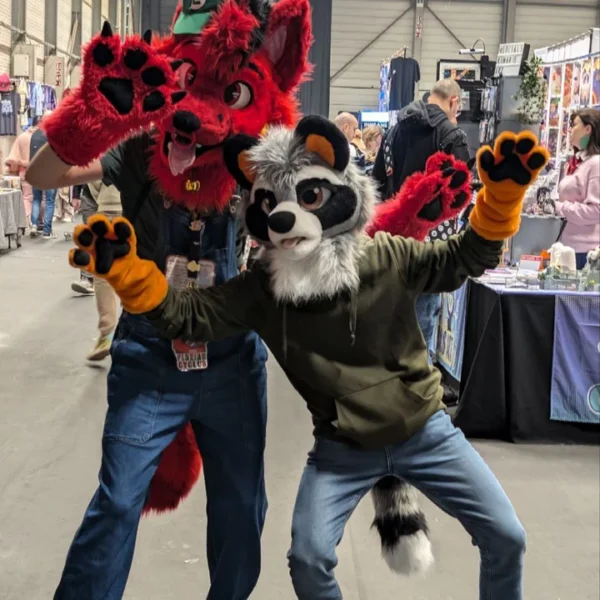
[126, 167]
[404, 73]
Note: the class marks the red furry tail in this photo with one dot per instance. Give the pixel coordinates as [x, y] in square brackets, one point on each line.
[177, 473]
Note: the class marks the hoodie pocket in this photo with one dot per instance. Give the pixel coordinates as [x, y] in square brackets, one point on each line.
[382, 414]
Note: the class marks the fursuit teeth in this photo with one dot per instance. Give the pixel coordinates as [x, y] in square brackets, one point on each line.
[425, 199]
[506, 172]
[126, 86]
[402, 527]
[108, 249]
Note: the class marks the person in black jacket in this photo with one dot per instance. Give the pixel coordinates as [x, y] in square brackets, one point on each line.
[423, 129]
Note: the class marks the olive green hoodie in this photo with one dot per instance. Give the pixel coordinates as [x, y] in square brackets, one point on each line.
[358, 360]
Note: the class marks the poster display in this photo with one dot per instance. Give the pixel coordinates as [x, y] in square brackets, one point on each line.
[571, 85]
[450, 340]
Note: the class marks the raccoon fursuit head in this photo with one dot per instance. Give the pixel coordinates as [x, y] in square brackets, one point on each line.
[309, 206]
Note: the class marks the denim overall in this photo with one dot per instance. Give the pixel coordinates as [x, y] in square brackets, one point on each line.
[149, 400]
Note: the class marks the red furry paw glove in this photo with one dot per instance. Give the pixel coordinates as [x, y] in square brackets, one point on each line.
[426, 199]
[125, 87]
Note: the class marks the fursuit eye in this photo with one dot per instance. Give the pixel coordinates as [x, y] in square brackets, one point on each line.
[238, 95]
[186, 75]
[314, 198]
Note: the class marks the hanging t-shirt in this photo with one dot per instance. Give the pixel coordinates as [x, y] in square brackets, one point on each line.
[404, 73]
[10, 104]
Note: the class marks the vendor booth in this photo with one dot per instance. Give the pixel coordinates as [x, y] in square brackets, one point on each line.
[522, 343]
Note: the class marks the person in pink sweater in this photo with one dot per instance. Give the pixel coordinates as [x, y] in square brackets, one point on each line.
[579, 191]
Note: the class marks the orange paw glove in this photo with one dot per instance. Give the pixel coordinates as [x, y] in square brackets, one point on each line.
[108, 249]
[506, 172]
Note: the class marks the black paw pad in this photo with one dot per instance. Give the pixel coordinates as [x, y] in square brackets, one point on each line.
[81, 258]
[448, 172]
[104, 256]
[178, 97]
[99, 228]
[122, 231]
[85, 238]
[121, 250]
[486, 160]
[536, 161]
[119, 92]
[459, 199]
[154, 76]
[431, 211]
[154, 101]
[103, 55]
[135, 59]
[447, 164]
[507, 147]
[458, 179]
[525, 146]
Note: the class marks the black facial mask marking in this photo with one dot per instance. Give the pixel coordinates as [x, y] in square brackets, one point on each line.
[257, 220]
[340, 207]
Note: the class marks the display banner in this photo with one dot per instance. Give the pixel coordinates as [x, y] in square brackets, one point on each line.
[451, 331]
[575, 392]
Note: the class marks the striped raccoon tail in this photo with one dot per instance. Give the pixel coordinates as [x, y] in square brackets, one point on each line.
[402, 526]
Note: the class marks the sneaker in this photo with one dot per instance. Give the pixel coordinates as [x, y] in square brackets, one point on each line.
[49, 236]
[102, 348]
[83, 286]
[34, 231]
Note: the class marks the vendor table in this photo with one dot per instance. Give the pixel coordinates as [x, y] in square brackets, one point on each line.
[506, 374]
[13, 220]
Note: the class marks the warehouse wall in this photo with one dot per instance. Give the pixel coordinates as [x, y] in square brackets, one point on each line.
[359, 25]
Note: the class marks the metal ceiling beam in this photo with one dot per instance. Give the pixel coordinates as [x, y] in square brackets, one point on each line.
[417, 42]
[462, 44]
[375, 39]
[509, 19]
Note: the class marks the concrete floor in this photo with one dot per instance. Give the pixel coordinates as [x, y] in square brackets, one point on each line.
[52, 407]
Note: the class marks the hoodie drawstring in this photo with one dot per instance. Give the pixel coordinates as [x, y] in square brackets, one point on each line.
[284, 328]
[353, 317]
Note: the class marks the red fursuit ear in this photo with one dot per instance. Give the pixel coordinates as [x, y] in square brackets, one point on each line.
[288, 40]
[228, 37]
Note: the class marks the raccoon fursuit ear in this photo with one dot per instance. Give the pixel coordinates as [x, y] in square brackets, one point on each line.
[322, 137]
[235, 153]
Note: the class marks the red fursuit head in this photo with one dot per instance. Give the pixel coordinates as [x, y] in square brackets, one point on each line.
[240, 75]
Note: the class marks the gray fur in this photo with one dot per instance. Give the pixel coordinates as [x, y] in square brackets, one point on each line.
[333, 266]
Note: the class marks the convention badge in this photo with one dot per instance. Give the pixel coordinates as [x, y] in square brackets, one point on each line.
[190, 356]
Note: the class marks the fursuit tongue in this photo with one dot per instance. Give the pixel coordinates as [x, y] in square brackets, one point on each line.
[181, 157]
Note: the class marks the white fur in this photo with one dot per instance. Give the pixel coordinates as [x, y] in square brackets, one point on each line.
[411, 556]
[322, 274]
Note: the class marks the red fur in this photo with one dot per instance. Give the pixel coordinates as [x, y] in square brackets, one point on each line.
[225, 54]
[399, 216]
[226, 39]
[86, 125]
[172, 483]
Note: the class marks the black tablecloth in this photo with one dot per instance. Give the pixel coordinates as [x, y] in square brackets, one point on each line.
[507, 370]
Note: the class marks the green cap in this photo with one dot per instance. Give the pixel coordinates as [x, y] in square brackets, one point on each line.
[194, 16]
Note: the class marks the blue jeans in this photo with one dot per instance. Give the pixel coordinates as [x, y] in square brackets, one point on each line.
[36, 207]
[440, 462]
[149, 401]
[428, 312]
